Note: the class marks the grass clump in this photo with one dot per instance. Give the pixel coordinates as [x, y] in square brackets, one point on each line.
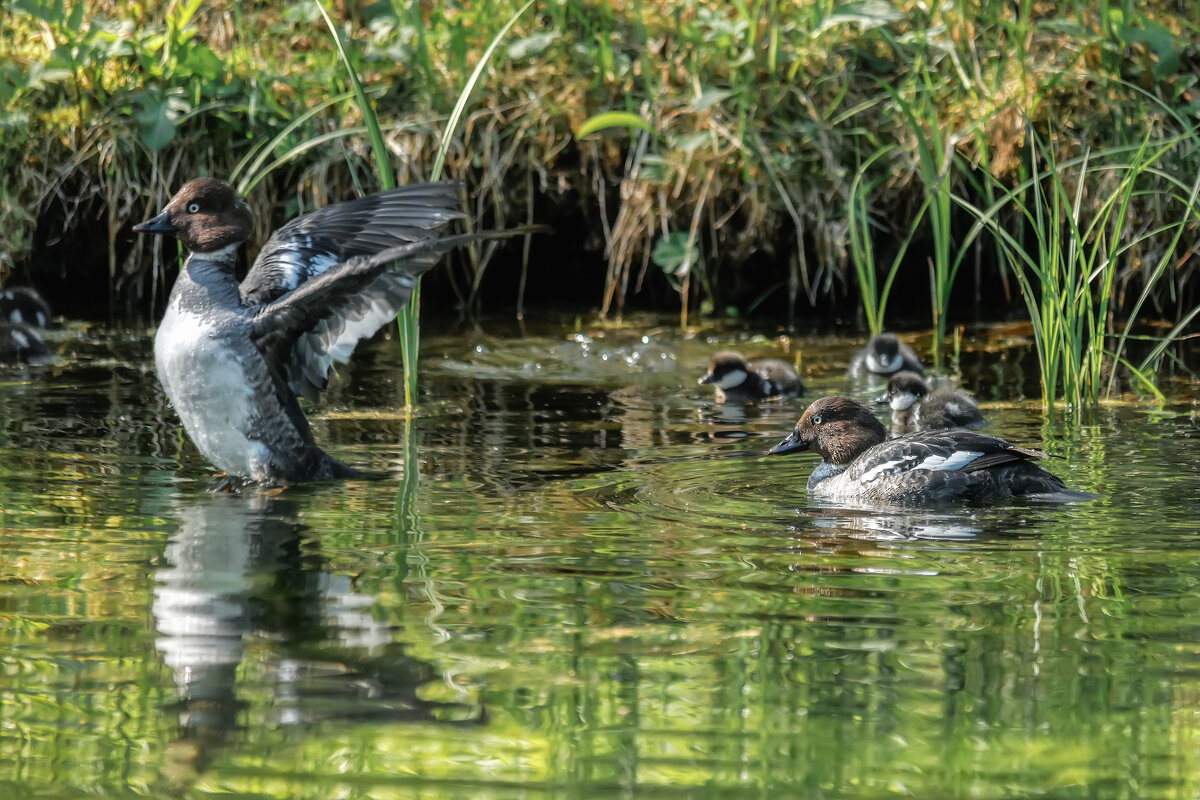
[1071, 258]
[767, 155]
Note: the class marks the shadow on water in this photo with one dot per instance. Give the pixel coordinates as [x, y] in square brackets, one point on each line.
[242, 573]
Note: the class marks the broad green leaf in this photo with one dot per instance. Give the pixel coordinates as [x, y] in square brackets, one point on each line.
[709, 98]
[673, 255]
[157, 119]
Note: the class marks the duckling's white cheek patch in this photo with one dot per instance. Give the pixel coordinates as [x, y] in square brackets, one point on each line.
[902, 402]
[732, 378]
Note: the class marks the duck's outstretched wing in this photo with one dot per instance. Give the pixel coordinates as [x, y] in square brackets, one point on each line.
[303, 332]
[311, 244]
[346, 237]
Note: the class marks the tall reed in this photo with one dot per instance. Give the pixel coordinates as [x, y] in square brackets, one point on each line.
[408, 322]
[862, 247]
[935, 157]
[1067, 274]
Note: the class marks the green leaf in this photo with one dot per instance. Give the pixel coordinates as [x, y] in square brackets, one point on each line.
[1166, 48]
[157, 119]
[37, 10]
[673, 255]
[202, 62]
[692, 141]
[867, 14]
[709, 98]
[531, 45]
[612, 119]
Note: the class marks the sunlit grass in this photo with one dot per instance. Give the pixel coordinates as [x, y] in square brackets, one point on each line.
[1067, 270]
[754, 182]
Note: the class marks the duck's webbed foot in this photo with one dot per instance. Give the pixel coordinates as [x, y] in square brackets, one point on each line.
[227, 483]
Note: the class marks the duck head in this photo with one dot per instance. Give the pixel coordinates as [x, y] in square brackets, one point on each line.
[903, 389]
[206, 215]
[837, 428]
[726, 369]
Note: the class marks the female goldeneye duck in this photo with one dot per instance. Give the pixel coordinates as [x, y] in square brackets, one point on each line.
[21, 343]
[915, 405]
[24, 304]
[737, 380]
[884, 355]
[233, 358]
[860, 464]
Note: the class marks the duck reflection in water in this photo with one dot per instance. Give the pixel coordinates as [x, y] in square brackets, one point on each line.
[241, 569]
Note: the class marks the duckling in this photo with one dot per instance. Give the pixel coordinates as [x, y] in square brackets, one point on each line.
[21, 343]
[915, 405]
[737, 380]
[24, 304]
[883, 355]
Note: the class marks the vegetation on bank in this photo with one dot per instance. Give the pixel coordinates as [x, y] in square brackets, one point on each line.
[793, 153]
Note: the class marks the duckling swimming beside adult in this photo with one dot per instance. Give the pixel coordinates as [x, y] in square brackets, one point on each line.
[884, 355]
[24, 304]
[737, 380]
[916, 406]
[21, 343]
[860, 464]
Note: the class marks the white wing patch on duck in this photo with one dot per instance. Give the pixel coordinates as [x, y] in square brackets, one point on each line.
[934, 463]
[956, 460]
[888, 468]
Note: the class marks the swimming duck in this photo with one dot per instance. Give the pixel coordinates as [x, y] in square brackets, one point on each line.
[21, 343]
[883, 355]
[860, 464]
[737, 380]
[915, 405]
[24, 304]
[233, 358]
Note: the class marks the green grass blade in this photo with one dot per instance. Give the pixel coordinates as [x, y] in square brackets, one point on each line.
[410, 315]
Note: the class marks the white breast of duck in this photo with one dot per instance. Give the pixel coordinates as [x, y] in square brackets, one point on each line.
[217, 383]
[921, 468]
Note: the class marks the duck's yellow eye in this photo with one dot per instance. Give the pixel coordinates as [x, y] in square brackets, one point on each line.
[193, 208]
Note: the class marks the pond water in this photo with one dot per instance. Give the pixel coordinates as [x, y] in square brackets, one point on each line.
[581, 578]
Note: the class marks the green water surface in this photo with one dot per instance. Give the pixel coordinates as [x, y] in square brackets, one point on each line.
[581, 578]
